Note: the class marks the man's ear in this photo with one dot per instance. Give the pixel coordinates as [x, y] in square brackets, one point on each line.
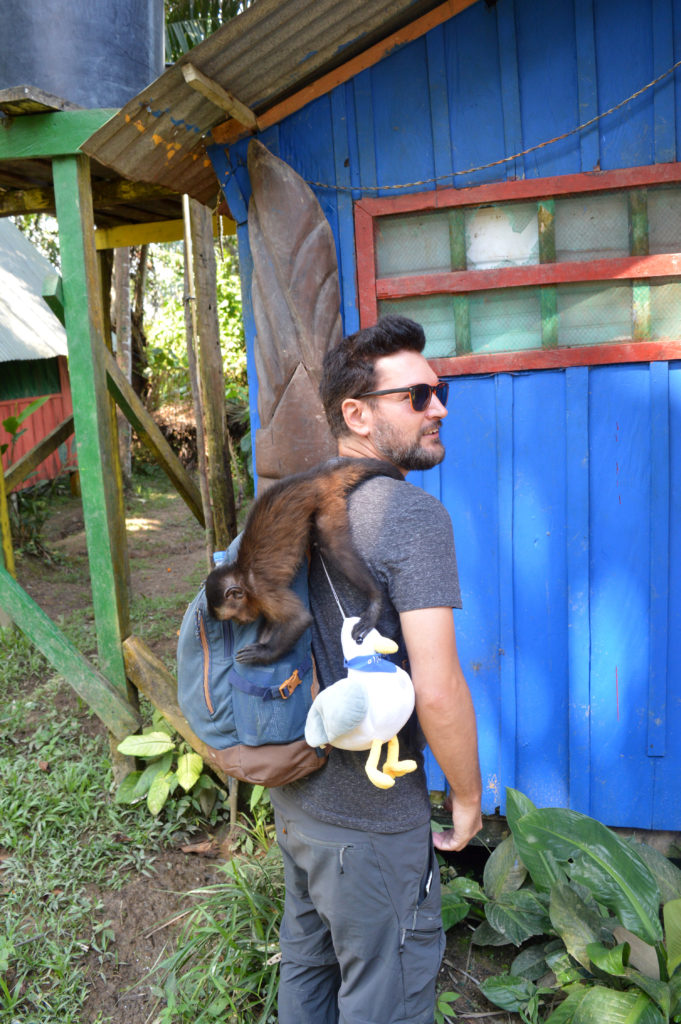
[356, 414]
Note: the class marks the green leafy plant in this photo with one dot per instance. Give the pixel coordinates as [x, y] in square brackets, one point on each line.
[225, 964]
[14, 424]
[607, 913]
[443, 1007]
[171, 763]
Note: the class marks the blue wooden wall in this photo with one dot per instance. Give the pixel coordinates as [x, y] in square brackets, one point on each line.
[563, 485]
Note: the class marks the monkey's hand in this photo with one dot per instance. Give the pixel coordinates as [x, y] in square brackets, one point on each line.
[367, 621]
[256, 654]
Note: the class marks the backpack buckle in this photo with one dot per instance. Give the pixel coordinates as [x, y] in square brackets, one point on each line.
[289, 685]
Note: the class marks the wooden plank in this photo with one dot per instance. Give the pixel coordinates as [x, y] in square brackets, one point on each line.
[587, 83]
[228, 132]
[341, 128]
[6, 548]
[104, 193]
[530, 188]
[366, 267]
[104, 698]
[85, 333]
[438, 94]
[617, 269]
[151, 437]
[20, 469]
[507, 668]
[548, 359]
[664, 106]
[153, 679]
[41, 136]
[577, 558]
[155, 231]
[219, 97]
[53, 294]
[659, 558]
[510, 87]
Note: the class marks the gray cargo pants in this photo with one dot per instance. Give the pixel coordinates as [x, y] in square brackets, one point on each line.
[361, 938]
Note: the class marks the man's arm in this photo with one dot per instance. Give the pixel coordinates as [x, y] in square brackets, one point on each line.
[446, 714]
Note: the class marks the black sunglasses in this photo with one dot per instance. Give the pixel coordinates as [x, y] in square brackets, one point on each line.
[419, 394]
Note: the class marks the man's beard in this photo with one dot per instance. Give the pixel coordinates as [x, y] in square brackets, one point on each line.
[406, 456]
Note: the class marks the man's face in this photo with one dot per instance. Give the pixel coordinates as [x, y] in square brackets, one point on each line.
[409, 439]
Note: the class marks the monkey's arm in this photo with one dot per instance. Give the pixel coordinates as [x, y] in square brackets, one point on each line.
[277, 637]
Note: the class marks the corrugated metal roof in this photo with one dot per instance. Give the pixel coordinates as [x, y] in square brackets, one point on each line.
[28, 327]
[270, 51]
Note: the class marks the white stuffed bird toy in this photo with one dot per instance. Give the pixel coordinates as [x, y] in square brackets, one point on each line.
[367, 708]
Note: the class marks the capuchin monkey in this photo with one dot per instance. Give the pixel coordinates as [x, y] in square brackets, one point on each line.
[279, 529]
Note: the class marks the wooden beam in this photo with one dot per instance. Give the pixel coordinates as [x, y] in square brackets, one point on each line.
[219, 97]
[231, 130]
[6, 547]
[151, 437]
[104, 528]
[104, 193]
[556, 358]
[42, 136]
[153, 679]
[53, 294]
[104, 698]
[20, 469]
[155, 231]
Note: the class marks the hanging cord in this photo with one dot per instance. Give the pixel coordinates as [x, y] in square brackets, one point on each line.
[333, 589]
[506, 159]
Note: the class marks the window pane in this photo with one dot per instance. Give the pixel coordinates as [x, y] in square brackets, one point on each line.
[592, 227]
[414, 244]
[664, 220]
[436, 315]
[591, 314]
[502, 236]
[665, 309]
[505, 320]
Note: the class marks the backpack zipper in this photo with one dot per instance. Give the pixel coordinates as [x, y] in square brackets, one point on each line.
[206, 664]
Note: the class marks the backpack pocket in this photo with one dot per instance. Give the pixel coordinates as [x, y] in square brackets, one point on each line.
[269, 708]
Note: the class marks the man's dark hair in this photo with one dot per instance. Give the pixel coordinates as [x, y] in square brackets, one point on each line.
[348, 368]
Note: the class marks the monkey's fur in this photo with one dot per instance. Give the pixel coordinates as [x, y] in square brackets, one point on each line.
[274, 542]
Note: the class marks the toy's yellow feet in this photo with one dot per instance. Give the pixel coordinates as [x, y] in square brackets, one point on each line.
[393, 766]
[378, 777]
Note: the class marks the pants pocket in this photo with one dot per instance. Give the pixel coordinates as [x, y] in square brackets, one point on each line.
[422, 945]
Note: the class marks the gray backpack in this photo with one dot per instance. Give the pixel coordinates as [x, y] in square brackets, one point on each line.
[252, 717]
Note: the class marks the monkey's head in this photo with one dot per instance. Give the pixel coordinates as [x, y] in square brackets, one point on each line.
[228, 596]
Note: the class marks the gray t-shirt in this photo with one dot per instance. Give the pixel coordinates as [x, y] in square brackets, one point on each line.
[405, 537]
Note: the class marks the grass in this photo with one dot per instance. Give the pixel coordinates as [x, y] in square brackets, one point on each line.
[62, 837]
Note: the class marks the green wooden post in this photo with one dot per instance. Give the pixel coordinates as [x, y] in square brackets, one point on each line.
[457, 253]
[84, 327]
[546, 212]
[639, 246]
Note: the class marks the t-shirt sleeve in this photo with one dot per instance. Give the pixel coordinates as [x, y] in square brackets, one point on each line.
[408, 540]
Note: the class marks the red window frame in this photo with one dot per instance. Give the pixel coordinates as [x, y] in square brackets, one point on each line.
[371, 289]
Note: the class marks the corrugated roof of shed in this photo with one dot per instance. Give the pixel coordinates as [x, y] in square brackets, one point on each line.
[262, 56]
[28, 327]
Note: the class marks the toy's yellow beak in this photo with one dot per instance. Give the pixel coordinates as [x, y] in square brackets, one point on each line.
[385, 646]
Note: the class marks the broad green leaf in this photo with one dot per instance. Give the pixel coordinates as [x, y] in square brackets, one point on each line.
[611, 961]
[31, 408]
[485, 935]
[454, 909]
[152, 744]
[530, 963]
[467, 888]
[189, 768]
[509, 992]
[665, 873]
[577, 923]
[256, 794]
[659, 991]
[517, 805]
[675, 992]
[613, 872]
[503, 872]
[518, 915]
[159, 792]
[671, 915]
[607, 1006]
[159, 767]
[564, 968]
[565, 1011]
[125, 794]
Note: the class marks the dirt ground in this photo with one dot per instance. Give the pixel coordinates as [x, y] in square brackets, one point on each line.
[166, 546]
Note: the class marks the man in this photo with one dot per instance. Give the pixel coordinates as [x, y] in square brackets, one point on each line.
[361, 937]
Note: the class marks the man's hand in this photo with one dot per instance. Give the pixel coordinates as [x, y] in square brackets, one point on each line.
[467, 821]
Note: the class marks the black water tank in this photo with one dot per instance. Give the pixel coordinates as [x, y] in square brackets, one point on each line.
[95, 53]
